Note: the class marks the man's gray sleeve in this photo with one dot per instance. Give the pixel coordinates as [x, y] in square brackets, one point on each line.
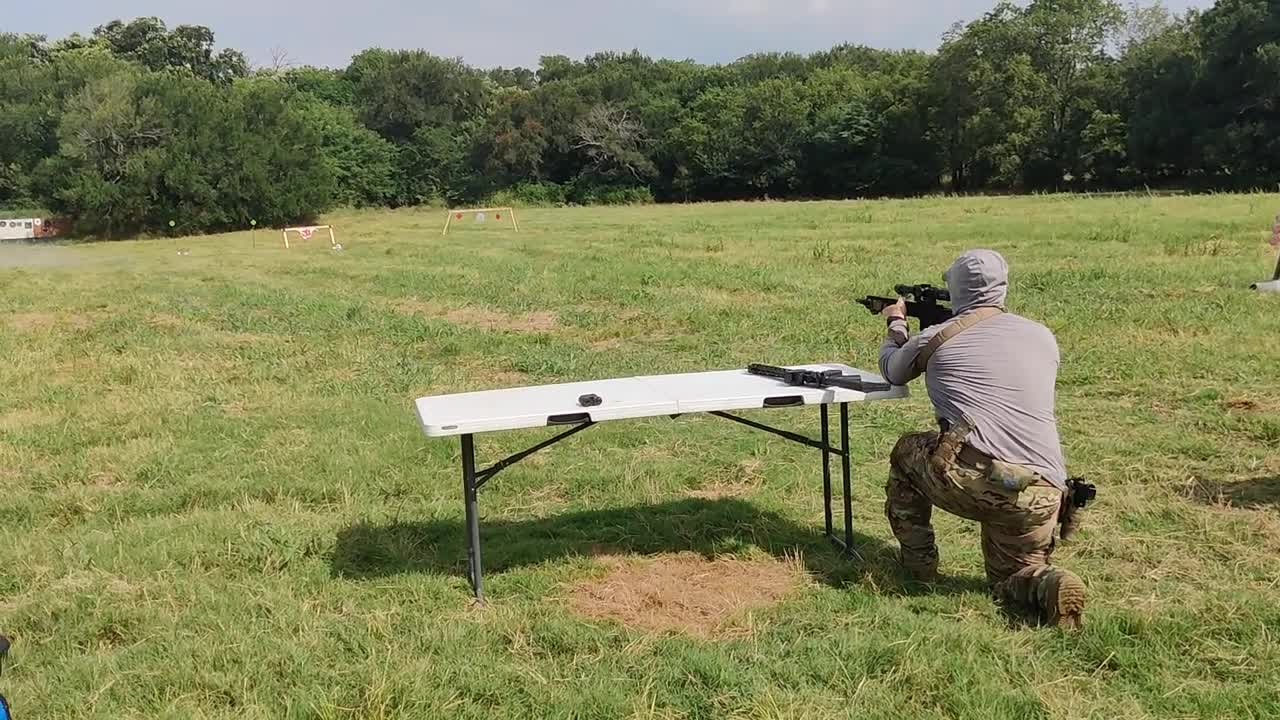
[898, 354]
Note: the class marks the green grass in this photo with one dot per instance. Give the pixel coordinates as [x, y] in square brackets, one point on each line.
[217, 503]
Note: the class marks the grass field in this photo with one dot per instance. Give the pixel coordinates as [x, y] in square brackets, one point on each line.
[216, 502]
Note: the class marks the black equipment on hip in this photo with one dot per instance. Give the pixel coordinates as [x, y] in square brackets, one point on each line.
[1082, 492]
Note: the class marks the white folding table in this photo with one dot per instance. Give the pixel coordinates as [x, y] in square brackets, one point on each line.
[715, 393]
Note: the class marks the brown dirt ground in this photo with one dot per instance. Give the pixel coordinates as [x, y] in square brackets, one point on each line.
[15, 420]
[165, 320]
[1251, 405]
[686, 592]
[32, 321]
[44, 321]
[482, 318]
[738, 480]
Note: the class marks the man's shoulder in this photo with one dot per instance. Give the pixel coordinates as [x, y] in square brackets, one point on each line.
[1031, 329]
[1023, 326]
[1025, 321]
[1006, 317]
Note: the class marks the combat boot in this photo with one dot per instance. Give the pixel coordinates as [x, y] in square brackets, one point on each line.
[921, 567]
[1052, 595]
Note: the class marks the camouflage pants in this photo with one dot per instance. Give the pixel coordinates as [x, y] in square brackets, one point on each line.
[1017, 527]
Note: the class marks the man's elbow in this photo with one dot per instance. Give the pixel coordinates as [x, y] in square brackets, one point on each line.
[897, 377]
[892, 374]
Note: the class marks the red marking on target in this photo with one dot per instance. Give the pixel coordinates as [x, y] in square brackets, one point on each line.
[497, 216]
[306, 233]
[458, 216]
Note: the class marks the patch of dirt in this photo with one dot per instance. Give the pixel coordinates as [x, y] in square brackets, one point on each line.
[490, 320]
[241, 339]
[236, 408]
[686, 592]
[507, 378]
[738, 480]
[414, 306]
[481, 379]
[720, 296]
[483, 318]
[606, 344]
[32, 321]
[1250, 405]
[27, 417]
[164, 320]
[104, 479]
[43, 321]
[477, 373]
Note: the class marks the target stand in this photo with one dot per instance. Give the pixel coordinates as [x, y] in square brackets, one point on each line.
[480, 215]
[306, 232]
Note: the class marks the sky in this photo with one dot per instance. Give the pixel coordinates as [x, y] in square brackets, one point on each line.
[488, 33]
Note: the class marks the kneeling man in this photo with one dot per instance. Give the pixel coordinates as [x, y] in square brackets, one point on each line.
[991, 377]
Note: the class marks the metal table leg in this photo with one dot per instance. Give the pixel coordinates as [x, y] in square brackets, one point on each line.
[473, 515]
[826, 472]
[844, 467]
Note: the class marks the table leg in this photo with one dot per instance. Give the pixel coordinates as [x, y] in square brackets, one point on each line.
[826, 471]
[473, 515]
[845, 460]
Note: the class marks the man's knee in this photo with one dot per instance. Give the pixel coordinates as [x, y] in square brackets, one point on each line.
[906, 504]
[910, 455]
[1009, 551]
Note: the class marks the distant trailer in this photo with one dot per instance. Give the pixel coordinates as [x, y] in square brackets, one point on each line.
[30, 228]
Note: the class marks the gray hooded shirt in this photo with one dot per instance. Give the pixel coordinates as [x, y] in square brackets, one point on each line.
[1002, 372]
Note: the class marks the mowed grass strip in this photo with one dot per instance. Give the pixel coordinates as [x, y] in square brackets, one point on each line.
[217, 503]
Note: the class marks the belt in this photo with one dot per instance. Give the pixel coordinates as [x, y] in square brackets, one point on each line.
[969, 455]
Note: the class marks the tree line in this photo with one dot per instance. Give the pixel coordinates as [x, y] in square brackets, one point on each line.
[137, 125]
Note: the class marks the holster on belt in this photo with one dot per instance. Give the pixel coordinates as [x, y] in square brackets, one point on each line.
[953, 446]
[1080, 492]
[951, 441]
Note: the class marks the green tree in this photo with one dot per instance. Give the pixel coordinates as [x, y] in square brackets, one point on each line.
[1240, 90]
[361, 162]
[985, 94]
[1069, 43]
[397, 93]
[139, 149]
[712, 151]
[1160, 73]
[613, 141]
[326, 84]
[148, 42]
[509, 147]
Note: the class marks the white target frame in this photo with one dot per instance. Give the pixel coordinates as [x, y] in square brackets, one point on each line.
[459, 212]
[305, 232]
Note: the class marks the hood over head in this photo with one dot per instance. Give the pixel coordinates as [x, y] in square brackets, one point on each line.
[978, 278]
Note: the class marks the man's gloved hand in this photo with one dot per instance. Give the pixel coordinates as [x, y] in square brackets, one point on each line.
[897, 310]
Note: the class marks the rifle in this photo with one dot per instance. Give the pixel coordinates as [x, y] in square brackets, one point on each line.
[818, 379]
[922, 303]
